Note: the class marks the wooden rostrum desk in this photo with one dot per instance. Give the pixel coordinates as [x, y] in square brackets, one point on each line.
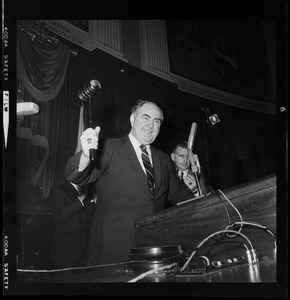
[264, 271]
[187, 225]
[190, 223]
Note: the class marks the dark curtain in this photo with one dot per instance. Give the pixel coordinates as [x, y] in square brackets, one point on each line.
[41, 73]
[236, 151]
[41, 66]
[49, 123]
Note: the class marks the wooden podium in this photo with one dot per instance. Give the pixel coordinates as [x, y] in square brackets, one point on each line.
[190, 223]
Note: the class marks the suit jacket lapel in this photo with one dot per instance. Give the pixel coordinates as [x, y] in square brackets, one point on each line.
[70, 190]
[130, 156]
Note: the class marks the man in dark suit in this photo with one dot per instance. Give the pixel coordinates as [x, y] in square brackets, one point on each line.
[73, 208]
[188, 170]
[122, 186]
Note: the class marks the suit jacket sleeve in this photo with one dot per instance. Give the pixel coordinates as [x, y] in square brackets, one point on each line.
[65, 205]
[91, 172]
[178, 191]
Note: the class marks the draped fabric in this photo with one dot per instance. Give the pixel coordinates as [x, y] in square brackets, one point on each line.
[236, 152]
[54, 128]
[41, 69]
[51, 126]
[239, 135]
[40, 141]
[41, 66]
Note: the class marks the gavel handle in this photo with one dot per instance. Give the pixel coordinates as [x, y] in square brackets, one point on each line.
[93, 152]
[93, 155]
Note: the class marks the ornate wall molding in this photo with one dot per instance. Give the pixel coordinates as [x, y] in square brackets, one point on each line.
[103, 34]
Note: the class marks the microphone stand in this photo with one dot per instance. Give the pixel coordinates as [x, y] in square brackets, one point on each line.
[197, 182]
[195, 172]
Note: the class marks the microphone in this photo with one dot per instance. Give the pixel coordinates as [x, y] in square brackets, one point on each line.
[191, 137]
[193, 157]
[90, 89]
[195, 167]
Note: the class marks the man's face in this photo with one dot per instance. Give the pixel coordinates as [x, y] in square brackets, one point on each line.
[146, 122]
[181, 158]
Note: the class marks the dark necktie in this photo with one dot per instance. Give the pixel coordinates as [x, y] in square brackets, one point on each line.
[181, 175]
[148, 168]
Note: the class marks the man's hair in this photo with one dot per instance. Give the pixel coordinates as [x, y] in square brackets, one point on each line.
[181, 144]
[140, 103]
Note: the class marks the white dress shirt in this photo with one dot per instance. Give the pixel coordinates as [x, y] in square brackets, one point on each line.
[184, 173]
[136, 144]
